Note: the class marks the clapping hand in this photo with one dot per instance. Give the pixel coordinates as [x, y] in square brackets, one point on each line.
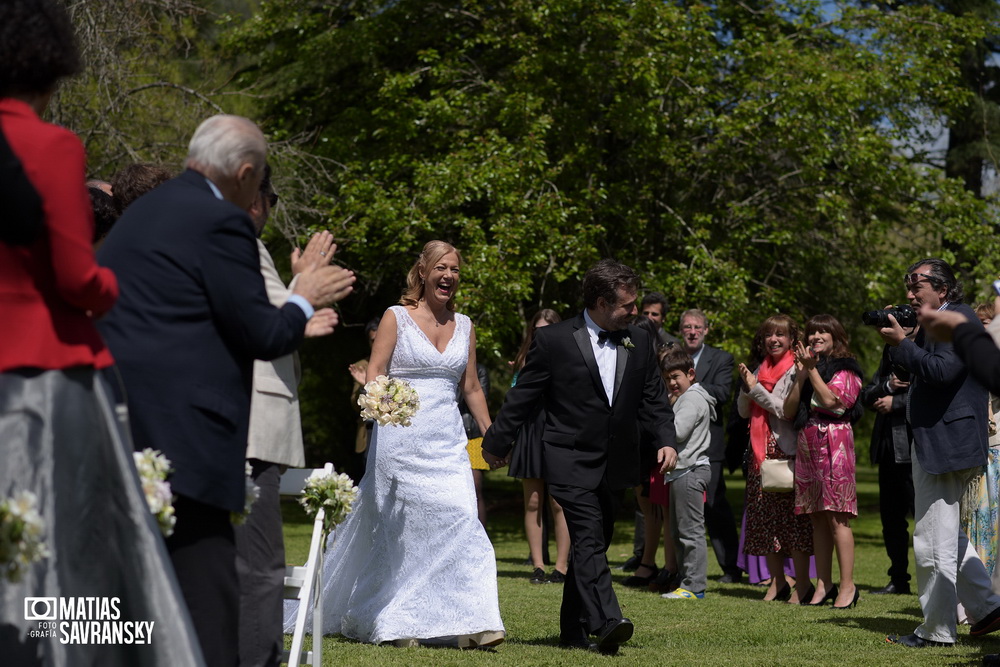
[357, 373]
[322, 323]
[747, 376]
[805, 358]
[319, 252]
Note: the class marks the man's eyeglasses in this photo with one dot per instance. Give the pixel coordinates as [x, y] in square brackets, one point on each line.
[272, 199]
[913, 280]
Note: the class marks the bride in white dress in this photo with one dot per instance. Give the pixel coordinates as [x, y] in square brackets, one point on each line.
[412, 564]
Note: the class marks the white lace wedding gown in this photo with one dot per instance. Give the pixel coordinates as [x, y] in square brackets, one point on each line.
[412, 559]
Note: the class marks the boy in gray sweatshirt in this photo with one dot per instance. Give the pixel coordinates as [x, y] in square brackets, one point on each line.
[694, 410]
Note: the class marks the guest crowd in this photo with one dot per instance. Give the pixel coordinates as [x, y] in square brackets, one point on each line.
[155, 297]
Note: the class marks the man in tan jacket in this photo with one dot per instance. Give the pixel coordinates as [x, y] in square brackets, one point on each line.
[274, 443]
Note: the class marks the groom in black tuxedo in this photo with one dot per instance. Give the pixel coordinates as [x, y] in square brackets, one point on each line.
[600, 383]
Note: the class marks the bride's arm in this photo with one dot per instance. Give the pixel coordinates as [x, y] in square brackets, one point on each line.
[382, 348]
[472, 390]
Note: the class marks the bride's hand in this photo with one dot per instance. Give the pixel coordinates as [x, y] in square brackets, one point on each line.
[494, 461]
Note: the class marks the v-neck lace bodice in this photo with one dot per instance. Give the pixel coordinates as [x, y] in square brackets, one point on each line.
[415, 356]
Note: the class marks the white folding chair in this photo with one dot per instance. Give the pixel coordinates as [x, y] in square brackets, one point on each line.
[305, 583]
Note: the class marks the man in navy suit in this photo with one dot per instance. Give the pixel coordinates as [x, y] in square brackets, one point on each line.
[947, 412]
[598, 377]
[192, 317]
[714, 371]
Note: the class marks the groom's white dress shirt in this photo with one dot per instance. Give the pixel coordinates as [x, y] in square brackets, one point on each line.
[606, 354]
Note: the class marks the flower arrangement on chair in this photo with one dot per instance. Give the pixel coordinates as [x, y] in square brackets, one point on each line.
[21, 533]
[153, 469]
[332, 492]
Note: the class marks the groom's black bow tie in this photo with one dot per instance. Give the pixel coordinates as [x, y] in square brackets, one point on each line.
[615, 337]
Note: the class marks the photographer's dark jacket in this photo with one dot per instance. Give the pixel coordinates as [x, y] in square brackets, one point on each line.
[891, 437]
[946, 406]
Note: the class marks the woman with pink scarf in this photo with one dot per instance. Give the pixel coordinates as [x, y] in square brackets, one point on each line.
[773, 530]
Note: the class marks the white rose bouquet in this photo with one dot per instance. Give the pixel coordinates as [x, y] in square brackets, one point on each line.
[153, 469]
[252, 493]
[21, 531]
[389, 401]
[332, 492]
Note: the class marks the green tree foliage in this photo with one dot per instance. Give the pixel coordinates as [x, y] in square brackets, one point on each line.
[745, 158]
[146, 82]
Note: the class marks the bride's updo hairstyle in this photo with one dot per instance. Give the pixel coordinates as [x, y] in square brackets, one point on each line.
[429, 256]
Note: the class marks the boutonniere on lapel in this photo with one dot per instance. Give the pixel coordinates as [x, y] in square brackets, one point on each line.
[627, 343]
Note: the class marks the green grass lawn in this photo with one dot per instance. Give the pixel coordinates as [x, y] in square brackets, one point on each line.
[731, 626]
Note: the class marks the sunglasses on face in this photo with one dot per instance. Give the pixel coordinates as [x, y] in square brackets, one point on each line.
[272, 199]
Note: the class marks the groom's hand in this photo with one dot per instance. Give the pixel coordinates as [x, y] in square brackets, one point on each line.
[666, 457]
[494, 462]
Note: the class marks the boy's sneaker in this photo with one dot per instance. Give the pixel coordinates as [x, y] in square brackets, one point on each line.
[683, 594]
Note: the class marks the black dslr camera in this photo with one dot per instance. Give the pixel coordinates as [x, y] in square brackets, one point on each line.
[905, 315]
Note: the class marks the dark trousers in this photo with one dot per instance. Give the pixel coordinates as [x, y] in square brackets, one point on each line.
[720, 522]
[588, 601]
[895, 502]
[260, 564]
[203, 552]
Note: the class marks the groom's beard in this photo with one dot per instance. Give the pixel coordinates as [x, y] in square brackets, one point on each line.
[620, 323]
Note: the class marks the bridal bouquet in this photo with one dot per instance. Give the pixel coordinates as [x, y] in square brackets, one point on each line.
[21, 531]
[332, 492]
[389, 401]
[252, 493]
[153, 469]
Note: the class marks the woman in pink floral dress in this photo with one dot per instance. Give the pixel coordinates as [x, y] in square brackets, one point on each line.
[824, 401]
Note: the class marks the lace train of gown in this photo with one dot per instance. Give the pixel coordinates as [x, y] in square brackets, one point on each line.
[412, 559]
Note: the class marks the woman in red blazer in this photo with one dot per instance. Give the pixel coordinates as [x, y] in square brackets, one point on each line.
[59, 439]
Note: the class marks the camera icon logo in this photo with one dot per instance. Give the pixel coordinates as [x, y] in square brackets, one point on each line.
[40, 609]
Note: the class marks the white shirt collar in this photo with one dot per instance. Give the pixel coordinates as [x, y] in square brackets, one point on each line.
[215, 190]
[591, 326]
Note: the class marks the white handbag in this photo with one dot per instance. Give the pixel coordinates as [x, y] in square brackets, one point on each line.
[777, 475]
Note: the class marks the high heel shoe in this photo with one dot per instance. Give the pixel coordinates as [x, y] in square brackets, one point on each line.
[853, 603]
[782, 595]
[830, 596]
[808, 596]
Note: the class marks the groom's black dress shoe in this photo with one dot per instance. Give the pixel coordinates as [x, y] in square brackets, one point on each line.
[583, 645]
[913, 641]
[615, 632]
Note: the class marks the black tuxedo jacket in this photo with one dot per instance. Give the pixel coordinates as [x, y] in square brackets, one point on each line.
[192, 316]
[715, 374]
[947, 409]
[586, 437]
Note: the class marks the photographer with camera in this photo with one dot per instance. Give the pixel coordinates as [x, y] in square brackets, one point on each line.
[890, 451]
[946, 410]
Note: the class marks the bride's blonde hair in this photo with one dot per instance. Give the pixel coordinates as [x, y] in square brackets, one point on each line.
[433, 251]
